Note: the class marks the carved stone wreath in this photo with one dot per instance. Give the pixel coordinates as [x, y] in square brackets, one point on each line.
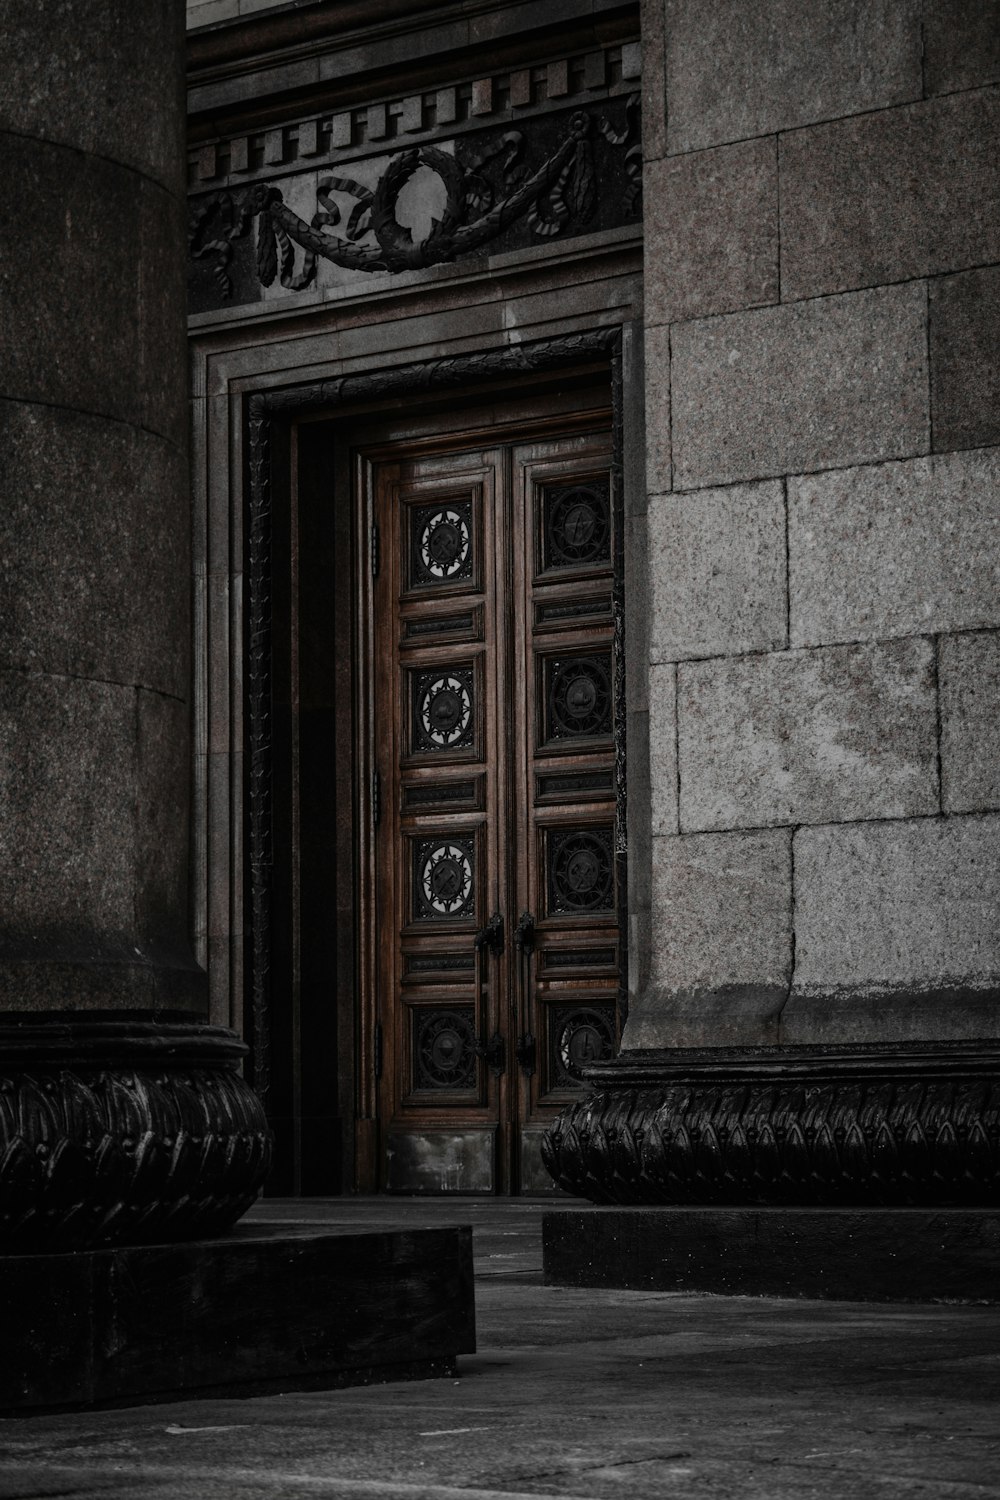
[561, 190]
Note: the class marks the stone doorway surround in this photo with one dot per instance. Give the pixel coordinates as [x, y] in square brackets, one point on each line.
[281, 348]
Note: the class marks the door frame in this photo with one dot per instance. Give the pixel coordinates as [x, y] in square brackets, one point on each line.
[268, 414]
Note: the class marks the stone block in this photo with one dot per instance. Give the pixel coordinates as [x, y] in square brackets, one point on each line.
[92, 578]
[808, 736]
[711, 231]
[854, 1254]
[969, 676]
[895, 550]
[263, 1309]
[965, 359]
[838, 380]
[163, 351]
[663, 748]
[72, 94]
[736, 70]
[961, 45]
[657, 389]
[721, 941]
[717, 572]
[891, 196]
[882, 908]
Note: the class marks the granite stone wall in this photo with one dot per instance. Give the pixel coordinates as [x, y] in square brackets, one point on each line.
[822, 211]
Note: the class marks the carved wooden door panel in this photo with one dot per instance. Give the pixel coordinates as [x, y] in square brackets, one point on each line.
[493, 902]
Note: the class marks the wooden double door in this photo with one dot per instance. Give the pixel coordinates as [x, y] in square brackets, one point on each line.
[494, 944]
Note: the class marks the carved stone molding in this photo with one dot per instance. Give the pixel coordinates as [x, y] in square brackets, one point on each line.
[918, 1126]
[123, 1132]
[510, 178]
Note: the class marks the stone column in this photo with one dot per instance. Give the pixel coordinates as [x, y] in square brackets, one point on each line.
[121, 1113]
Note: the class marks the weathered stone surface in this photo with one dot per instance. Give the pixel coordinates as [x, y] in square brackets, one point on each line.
[711, 231]
[85, 227]
[721, 940]
[961, 45]
[717, 572]
[92, 549]
[736, 70]
[900, 906]
[969, 675]
[73, 93]
[890, 196]
[895, 550]
[654, 112]
[657, 387]
[808, 736]
[837, 380]
[965, 359]
[663, 748]
[92, 842]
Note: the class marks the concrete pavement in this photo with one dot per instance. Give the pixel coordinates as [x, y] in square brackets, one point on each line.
[574, 1393]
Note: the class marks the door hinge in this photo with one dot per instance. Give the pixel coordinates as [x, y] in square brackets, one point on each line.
[377, 1050]
[376, 799]
[494, 1054]
[374, 549]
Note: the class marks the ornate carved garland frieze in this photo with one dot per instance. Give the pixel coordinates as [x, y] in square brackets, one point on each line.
[520, 170]
[919, 1127]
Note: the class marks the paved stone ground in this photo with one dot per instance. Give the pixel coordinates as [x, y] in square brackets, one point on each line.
[573, 1393]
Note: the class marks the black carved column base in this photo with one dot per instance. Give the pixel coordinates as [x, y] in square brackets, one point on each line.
[123, 1130]
[917, 1125]
[843, 1172]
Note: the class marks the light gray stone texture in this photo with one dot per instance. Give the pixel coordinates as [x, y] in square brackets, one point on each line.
[663, 748]
[808, 736]
[838, 380]
[885, 907]
[717, 572]
[891, 196]
[961, 44]
[92, 549]
[659, 475]
[736, 70]
[107, 85]
[898, 549]
[969, 676]
[654, 105]
[965, 359]
[721, 941]
[711, 231]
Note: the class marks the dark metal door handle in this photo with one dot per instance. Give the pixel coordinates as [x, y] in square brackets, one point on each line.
[494, 1054]
[492, 935]
[525, 1053]
[524, 936]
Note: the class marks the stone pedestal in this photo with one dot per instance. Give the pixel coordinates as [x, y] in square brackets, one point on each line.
[262, 1310]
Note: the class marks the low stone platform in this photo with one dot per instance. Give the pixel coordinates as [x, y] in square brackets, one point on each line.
[853, 1254]
[263, 1309]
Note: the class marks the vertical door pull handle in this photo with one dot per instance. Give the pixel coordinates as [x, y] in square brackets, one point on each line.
[494, 1054]
[492, 935]
[525, 1053]
[524, 937]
